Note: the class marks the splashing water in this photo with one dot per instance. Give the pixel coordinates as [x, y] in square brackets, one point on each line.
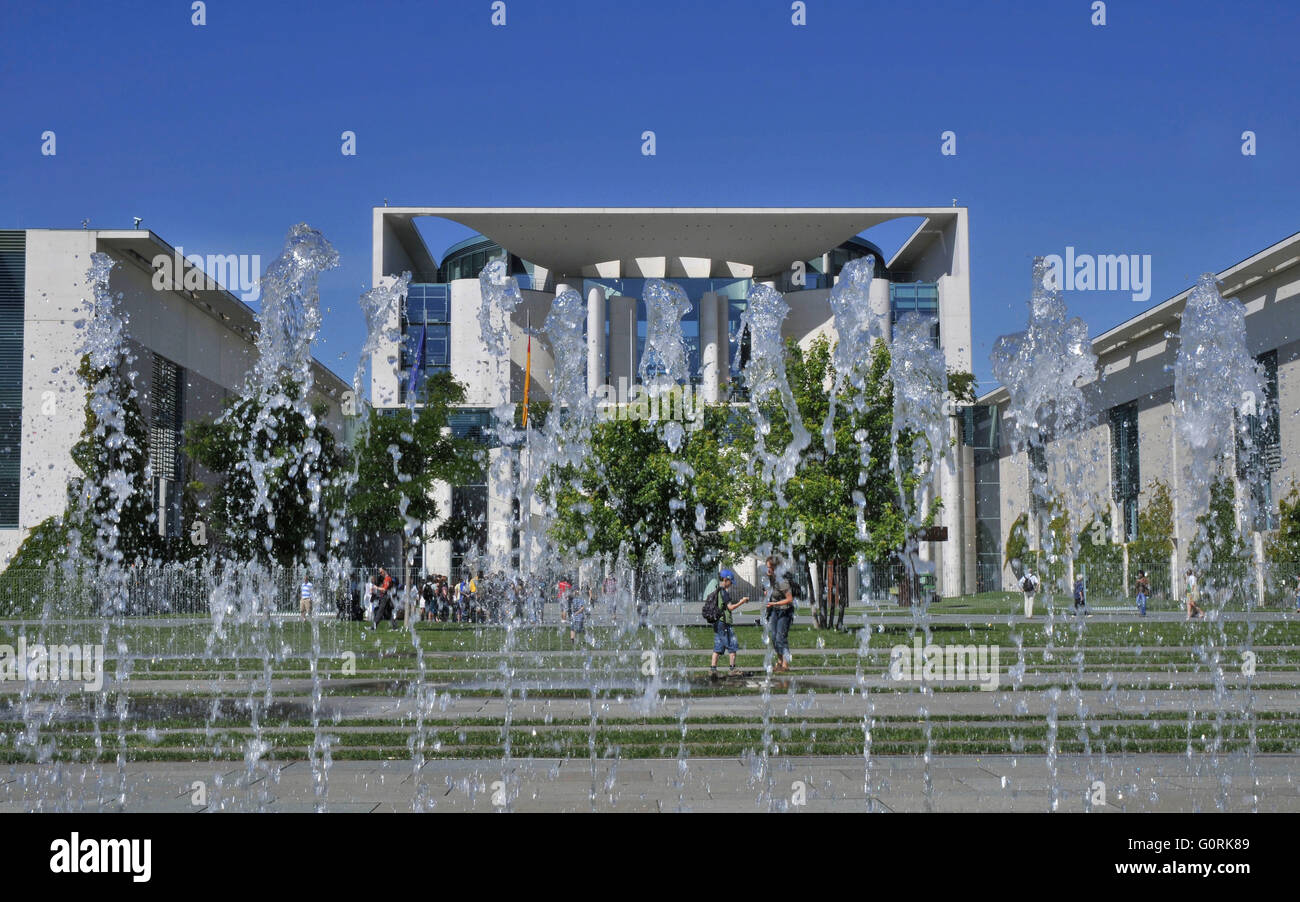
[765, 375]
[1043, 369]
[1214, 378]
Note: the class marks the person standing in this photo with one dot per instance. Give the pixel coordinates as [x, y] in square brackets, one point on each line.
[304, 597]
[577, 615]
[1029, 585]
[562, 596]
[461, 599]
[780, 605]
[1142, 589]
[724, 633]
[1193, 593]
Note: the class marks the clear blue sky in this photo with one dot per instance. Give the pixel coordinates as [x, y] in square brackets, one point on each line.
[1124, 138]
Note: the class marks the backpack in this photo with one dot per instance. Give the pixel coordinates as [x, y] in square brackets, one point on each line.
[1027, 584]
[711, 611]
[796, 588]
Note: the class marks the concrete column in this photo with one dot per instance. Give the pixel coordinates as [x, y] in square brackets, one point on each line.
[878, 295]
[595, 339]
[622, 340]
[709, 346]
[724, 340]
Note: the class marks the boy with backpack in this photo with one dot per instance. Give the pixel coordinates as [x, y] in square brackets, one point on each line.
[720, 611]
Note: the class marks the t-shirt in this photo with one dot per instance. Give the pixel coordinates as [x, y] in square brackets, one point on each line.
[306, 591]
[725, 614]
[779, 588]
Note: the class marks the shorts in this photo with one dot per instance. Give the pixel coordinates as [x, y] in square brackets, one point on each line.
[724, 639]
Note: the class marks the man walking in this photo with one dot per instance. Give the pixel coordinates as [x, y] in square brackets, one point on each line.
[1029, 585]
[1142, 589]
[780, 606]
[724, 634]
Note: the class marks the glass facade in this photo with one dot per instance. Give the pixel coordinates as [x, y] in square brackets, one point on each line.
[980, 434]
[1259, 446]
[467, 259]
[13, 287]
[427, 314]
[914, 297]
[1125, 473]
[166, 426]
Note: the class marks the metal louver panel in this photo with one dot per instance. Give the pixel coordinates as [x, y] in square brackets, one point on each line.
[13, 286]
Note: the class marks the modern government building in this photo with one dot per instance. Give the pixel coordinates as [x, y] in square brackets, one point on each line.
[1133, 428]
[193, 349]
[607, 254]
[195, 346]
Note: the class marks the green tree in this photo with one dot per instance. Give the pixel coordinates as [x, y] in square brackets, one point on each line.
[1155, 533]
[1283, 546]
[633, 492]
[113, 487]
[400, 458]
[276, 432]
[1217, 542]
[821, 521]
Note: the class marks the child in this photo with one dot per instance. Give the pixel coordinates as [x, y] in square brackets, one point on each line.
[577, 615]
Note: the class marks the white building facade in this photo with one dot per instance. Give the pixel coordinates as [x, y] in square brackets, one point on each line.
[715, 254]
[1132, 441]
[193, 349]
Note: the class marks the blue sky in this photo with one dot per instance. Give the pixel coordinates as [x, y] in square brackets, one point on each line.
[1122, 138]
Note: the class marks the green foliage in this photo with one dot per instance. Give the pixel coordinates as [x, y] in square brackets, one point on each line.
[277, 434]
[46, 544]
[137, 540]
[1020, 555]
[1217, 540]
[402, 457]
[1099, 559]
[1155, 534]
[1283, 546]
[623, 495]
[1017, 546]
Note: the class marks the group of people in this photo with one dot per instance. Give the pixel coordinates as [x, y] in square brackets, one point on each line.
[779, 604]
[474, 598]
[1030, 586]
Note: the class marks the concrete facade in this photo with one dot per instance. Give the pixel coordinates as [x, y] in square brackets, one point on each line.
[209, 334]
[1136, 361]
